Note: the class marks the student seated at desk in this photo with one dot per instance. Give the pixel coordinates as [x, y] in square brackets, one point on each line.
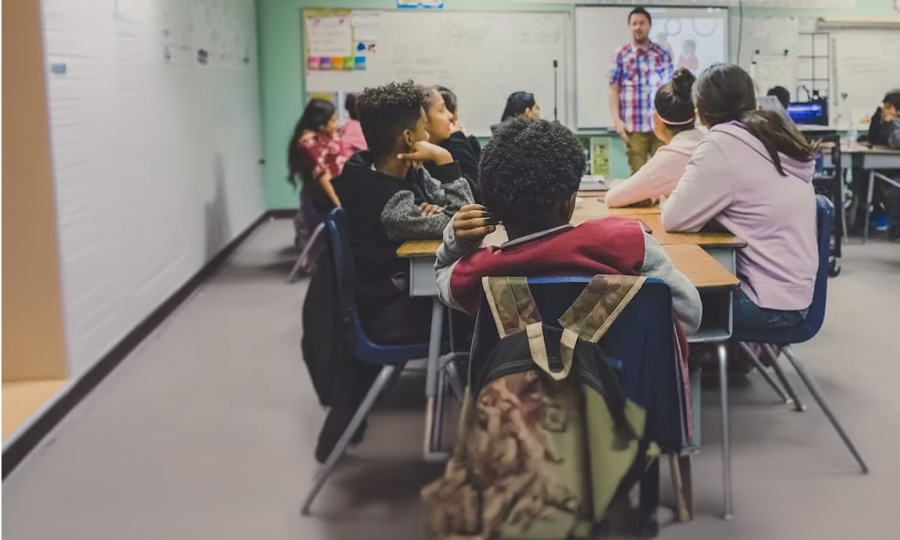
[782, 94]
[884, 130]
[316, 154]
[530, 173]
[518, 104]
[673, 124]
[452, 104]
[445, 133]
[351, 132]
[753, 175]
[390, 198]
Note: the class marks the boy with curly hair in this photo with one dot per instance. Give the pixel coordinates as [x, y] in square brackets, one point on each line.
[390, 198]
[530, 173]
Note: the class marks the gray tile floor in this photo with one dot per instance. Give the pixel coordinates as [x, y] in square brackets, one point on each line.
[207, 431]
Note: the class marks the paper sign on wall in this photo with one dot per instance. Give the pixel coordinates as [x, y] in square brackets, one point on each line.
[424, 4]
[365, 26]
[600, 155]
[329, 35]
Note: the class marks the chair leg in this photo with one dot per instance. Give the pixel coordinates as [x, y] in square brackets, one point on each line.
[456, 383]
[383, 377]
[648, 526]
[814, 389]
[438, 432]
[726, 439]
[764, 372]
[868, 205]
[305, 253]
[773, 356]
[682, 484]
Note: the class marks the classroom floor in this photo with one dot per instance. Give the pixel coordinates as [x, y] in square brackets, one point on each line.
[208, 430]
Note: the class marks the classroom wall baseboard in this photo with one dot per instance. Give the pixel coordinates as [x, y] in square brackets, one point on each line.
[20, 444]
[282, 213]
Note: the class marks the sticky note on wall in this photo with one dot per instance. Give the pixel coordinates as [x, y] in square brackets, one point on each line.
[337, 63]
[349, 63]
[360, 63]
[313, 63]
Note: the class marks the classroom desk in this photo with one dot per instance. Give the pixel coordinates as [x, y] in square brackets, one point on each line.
[707, 259]
[873, 159]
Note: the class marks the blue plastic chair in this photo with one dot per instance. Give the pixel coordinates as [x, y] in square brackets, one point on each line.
[392, 358]
[306, 207]
[640, 344]
[785, 337]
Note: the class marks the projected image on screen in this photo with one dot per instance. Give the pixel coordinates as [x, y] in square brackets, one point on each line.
[694, 42]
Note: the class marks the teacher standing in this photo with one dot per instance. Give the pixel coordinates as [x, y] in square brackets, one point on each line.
[637, 72]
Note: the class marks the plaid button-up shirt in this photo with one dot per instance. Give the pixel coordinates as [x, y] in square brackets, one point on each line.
[639, 72]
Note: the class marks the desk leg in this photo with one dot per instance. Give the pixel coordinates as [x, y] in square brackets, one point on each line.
[868, 205]
[726, 440]
[431, 379]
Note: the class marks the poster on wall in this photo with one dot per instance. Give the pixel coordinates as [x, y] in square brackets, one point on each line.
[420, 4]
[329, 34]
[600, 156]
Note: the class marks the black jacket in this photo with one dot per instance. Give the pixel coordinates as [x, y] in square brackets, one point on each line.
[382, 213]
[467, 152]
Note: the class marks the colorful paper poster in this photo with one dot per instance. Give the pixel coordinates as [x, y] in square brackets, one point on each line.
[360, 63]
[349, 63]
[424, 4]
[329, 33]
[325, 64]
[313, 63]
[337, 63]
[600, 155]
[365, 26]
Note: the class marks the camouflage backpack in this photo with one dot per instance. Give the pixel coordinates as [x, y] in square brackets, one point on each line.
[546, 435]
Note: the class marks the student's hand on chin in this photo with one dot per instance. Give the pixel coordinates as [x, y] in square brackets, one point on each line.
[426, 151]
[472, 223]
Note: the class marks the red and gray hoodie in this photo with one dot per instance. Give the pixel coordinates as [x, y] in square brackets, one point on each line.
[611, 245]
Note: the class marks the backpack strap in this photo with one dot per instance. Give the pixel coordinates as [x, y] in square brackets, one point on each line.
[515, 311]
[595, 309]
[511, 304]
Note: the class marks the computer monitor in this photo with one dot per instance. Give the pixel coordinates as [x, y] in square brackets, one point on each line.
[810, 113]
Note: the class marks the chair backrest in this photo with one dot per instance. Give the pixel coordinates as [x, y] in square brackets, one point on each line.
[342, 258]
[640, 344]
[824, 227]
[345, 275]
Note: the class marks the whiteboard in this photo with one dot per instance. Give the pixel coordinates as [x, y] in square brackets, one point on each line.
[601, 30]
[865, 65]
[483, 57]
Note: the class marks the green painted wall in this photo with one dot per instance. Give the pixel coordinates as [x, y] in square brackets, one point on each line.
[281, 72]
